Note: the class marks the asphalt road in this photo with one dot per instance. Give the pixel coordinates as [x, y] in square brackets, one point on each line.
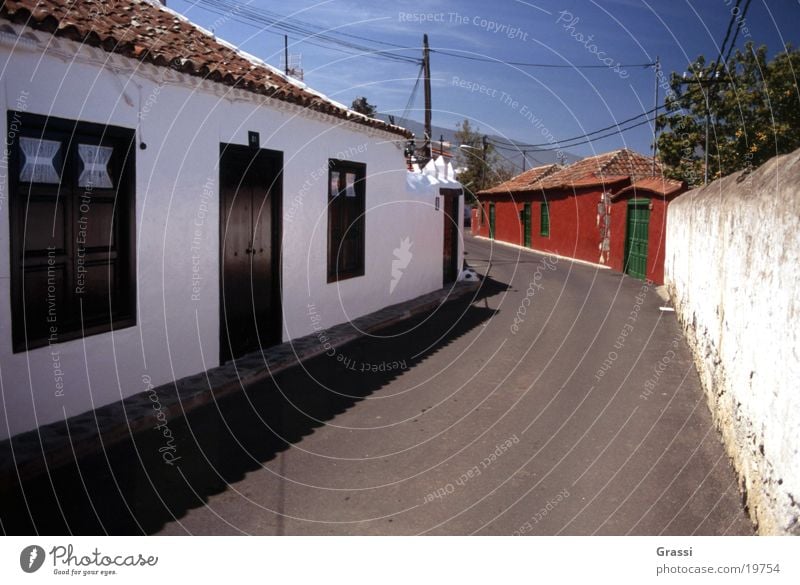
[560, 400]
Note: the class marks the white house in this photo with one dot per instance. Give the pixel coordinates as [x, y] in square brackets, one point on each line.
[160, 188]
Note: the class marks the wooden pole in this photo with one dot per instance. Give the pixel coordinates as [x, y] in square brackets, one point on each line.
[286, 54]
[655, 131]
[426, 64]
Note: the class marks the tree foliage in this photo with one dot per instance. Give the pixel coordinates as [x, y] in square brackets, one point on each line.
[479, 167]
[362, 106]
[754, 108]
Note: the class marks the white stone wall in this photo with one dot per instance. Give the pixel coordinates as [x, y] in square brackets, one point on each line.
[183, 120]
[733, 271]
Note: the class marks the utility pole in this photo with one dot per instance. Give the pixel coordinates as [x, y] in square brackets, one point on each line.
[524, 159]
[705, 86]
[655, 106]
[426, 66]
[441, 144]
[483, 166]
[705, 148]
[286, 54]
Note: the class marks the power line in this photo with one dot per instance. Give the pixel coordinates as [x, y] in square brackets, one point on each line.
[300, 23]
[581, 136]
[233, 9]
[727, 33]
[410, 102]
[521, 146]
[311, 34]
[590, 140]
[541, 65]
[736, 34]
[504, 157]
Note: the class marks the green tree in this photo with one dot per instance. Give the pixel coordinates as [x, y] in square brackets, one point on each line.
[754, 108]
[479, 165]
[362, 106]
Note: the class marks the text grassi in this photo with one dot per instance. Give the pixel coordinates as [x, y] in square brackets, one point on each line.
[66, 556]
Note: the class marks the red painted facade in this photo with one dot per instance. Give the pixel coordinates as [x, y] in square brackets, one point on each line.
[575, 205]
[573, 221]
[656, 235]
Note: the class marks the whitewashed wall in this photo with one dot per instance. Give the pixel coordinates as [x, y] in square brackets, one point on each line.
[183, 122]
[733, 270]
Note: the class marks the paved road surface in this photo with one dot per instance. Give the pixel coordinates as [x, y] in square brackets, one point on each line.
[583, 416]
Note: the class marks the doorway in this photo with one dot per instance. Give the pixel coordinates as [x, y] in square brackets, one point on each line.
[526, 223]
[636, 239]
[451, 234]
[250, 240]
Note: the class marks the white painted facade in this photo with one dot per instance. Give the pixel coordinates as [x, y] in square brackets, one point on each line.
[732, 268]
[182, 120]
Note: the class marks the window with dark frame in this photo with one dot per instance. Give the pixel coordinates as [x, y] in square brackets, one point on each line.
[346, 206]
[71, 199]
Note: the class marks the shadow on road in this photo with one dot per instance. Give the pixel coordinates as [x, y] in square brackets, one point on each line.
[129, 489]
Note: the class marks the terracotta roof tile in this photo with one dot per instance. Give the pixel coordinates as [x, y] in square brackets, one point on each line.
[609, 167]
[520, 182]
[602, 168]
[658, 185]
[146, 31]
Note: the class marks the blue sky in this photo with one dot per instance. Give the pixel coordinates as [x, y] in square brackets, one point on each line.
[533, 105]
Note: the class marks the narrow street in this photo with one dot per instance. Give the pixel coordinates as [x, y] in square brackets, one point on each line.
[583, 416]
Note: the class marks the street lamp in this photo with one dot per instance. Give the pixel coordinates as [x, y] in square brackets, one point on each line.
[485, 143]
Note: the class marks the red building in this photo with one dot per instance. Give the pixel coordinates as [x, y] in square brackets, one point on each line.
[607, 209]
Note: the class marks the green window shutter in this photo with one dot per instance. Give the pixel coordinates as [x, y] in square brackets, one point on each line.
[544, 219]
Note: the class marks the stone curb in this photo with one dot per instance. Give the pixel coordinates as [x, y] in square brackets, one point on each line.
[30, 454]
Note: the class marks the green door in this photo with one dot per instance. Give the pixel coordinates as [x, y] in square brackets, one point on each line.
[491, 220]
[526, 221]
[544, 219]
[636, 241]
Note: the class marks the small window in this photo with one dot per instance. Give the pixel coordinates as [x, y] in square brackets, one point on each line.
[346, 205]
[544, 220]
[72, 229]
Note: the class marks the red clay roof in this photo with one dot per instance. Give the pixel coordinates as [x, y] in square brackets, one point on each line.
[610, 167]
[149, 32]
[602, 168]
[522, 181]
[658, 185]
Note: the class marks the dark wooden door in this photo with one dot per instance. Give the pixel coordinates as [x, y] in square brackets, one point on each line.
[250, 316]
[526, 222]
[450, 249]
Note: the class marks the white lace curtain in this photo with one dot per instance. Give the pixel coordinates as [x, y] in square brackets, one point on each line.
[350, 185]
[95, 166]
[39, 155]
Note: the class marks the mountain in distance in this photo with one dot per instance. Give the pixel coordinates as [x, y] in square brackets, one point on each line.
[514, 157]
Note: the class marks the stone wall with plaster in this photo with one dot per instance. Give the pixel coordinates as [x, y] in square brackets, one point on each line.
[733, 272]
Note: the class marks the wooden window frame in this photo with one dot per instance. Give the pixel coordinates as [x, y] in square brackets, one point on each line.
[356, 225]
[69, 324]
